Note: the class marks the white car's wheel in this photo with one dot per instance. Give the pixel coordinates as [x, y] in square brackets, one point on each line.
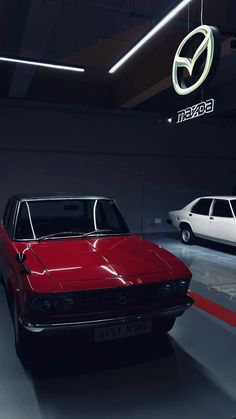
[187, 236]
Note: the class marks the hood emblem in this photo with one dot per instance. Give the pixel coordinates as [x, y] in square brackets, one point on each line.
[123, 298]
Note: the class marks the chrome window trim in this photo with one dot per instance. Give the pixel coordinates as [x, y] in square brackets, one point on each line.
[12, 226]
[30, 220]
[94, 214]
[66, 198]
[16, 219]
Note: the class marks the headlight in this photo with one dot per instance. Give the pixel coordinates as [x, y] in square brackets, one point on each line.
[173, 289]
[56, 304]
[43, 304]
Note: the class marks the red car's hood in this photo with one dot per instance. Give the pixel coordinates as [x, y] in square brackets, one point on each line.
[105, 261]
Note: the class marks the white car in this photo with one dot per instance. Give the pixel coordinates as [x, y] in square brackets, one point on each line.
[208, 217]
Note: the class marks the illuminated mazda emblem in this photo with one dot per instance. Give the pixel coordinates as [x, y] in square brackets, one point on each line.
[123, 298]
[207, 50]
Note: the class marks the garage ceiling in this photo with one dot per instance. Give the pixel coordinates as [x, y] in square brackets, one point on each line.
[94, 34]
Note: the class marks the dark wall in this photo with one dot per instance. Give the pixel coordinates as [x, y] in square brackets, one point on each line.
[48, 149]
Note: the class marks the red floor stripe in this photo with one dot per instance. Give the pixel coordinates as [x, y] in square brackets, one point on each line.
[216, 310]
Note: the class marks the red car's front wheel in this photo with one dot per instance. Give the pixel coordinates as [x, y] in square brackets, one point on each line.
[23, 341]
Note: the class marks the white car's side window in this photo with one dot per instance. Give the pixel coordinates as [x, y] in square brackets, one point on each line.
[202, 207]
[222, 208]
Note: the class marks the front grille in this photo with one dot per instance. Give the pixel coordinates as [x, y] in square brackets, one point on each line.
[123, 298]
[110, 302]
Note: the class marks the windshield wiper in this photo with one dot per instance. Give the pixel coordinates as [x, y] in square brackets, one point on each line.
[62, 234]
[102, 231]
[81, 234]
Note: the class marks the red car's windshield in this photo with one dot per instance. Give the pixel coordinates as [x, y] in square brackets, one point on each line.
[76, 216]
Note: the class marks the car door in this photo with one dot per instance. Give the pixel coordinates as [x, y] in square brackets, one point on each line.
[199, 216]
[222, 224]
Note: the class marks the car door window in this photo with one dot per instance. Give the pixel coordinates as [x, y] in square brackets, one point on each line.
[109, 217]
[202, 207]
[222, 209]
[23, 228]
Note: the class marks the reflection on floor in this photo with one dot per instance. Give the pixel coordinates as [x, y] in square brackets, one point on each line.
[212, 264]
[188, 375]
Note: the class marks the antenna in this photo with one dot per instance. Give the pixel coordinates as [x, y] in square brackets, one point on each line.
[142, 203]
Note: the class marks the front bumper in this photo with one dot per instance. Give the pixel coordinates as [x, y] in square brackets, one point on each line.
[52, 328]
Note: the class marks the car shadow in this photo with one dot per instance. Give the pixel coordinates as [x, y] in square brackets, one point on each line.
[128, 379]
[66, 356]
[219, 247]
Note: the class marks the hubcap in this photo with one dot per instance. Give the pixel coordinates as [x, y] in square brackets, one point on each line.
[186, 235]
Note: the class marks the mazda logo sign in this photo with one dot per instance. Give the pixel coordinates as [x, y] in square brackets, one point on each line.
[123, 298]
[203, 60]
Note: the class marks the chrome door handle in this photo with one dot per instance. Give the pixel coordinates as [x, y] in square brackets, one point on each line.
[211, 218]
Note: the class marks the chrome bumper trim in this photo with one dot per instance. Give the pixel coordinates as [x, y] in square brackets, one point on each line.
[167, 312]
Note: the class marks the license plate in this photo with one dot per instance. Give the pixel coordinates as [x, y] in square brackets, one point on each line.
[122, 331]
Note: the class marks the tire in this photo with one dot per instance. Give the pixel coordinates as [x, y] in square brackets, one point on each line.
[9, 297]
[167, 325]
[24, 342]
[187, 236]
[164, 326]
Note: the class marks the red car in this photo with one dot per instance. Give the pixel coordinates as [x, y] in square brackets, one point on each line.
[69, 263]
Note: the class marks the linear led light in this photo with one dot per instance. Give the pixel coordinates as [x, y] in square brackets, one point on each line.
[149, 35]
[40, 64]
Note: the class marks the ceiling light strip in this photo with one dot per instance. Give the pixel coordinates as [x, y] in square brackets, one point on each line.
[41, 64]
[149, 35]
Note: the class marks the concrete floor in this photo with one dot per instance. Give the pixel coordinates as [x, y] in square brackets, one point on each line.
[189, 375]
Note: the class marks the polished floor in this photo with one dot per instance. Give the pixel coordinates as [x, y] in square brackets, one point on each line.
[189, 375]
[212, 264]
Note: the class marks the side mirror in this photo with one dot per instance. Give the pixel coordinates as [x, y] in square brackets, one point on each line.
[20, 257]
